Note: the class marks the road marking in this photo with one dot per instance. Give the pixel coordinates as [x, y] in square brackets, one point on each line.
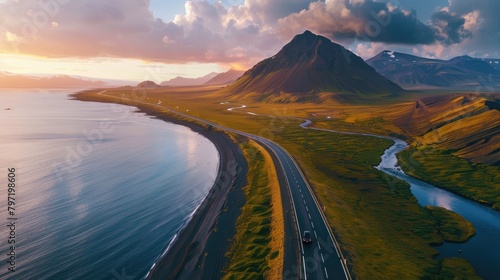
[304, 265]
[300, 190]
[315, 234]
[326, 273]
[304, 201]
[322, 258]
[319, 245]
[302, 195]
[307, 209]
[312, 224]
[309, 215]
[343, 267]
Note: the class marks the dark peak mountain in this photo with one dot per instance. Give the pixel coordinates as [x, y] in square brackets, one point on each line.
[148, 84]
[413, 72]
[225, 78]
[311, 63]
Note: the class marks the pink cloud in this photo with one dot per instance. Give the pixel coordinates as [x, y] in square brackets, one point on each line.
[214, 32]
[127, 28]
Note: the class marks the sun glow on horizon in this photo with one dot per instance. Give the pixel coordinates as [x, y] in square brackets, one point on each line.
[104, 68]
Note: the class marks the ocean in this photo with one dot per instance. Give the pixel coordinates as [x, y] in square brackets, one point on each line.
[99, 189]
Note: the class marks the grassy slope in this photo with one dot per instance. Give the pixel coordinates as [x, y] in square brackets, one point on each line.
[384, 231]
[257, 251]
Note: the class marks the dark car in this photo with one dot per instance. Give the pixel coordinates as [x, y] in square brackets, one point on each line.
[306, 238]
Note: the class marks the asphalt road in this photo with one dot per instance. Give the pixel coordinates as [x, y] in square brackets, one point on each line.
[321, 258]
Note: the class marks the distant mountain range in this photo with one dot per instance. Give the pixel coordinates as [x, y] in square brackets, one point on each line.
[182, 81]
[9, 80]
[413, 72]
[311, 64]
[225, 78]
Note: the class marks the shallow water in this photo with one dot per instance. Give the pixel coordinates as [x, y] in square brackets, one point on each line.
[100, 189]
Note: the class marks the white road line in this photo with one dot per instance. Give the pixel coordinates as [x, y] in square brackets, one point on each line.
[312, 224]
[309, 215]
[307, 209]
[326, 273]
[343, 267]
[315, 234]
[322, 258]
[319, 245]
[300, 190]
[302, 195]
[304, 265]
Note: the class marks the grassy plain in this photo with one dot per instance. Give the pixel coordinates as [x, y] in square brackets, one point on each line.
[382, 229]
[257, 250]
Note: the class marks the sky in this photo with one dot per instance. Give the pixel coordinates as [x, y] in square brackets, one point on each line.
[160, 39]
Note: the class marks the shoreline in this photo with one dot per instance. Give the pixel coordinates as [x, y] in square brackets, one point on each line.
[212, 225]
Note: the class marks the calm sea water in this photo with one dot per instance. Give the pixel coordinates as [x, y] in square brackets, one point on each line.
[100, 190]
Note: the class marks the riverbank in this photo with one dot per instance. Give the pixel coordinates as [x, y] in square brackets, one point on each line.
[474, 181]
[213, 224]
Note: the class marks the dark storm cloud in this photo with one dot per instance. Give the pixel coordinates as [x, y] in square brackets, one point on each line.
[483, 20]
[449, 28]
[368, 20]
[383, 23]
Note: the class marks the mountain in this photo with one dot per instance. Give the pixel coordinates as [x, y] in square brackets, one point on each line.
[495, 63]
[9, 80]
[148, 84]
[463, 72]
[225, 78]
[312, 64]
[181, 81]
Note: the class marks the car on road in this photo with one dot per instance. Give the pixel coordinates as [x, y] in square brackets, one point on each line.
[306, 238]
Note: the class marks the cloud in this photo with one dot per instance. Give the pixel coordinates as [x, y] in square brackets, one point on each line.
[470, 27]
[449, 28]
[368, 50]
[238, 34]
[365, 20]
[481, 18]
[206, 32]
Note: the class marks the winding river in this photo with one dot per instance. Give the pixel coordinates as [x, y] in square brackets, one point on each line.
[483, 249]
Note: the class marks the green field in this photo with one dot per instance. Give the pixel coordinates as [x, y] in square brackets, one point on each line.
[383, 231]
[253, 248]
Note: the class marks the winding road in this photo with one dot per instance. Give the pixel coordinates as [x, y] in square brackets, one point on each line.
[320, 259]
